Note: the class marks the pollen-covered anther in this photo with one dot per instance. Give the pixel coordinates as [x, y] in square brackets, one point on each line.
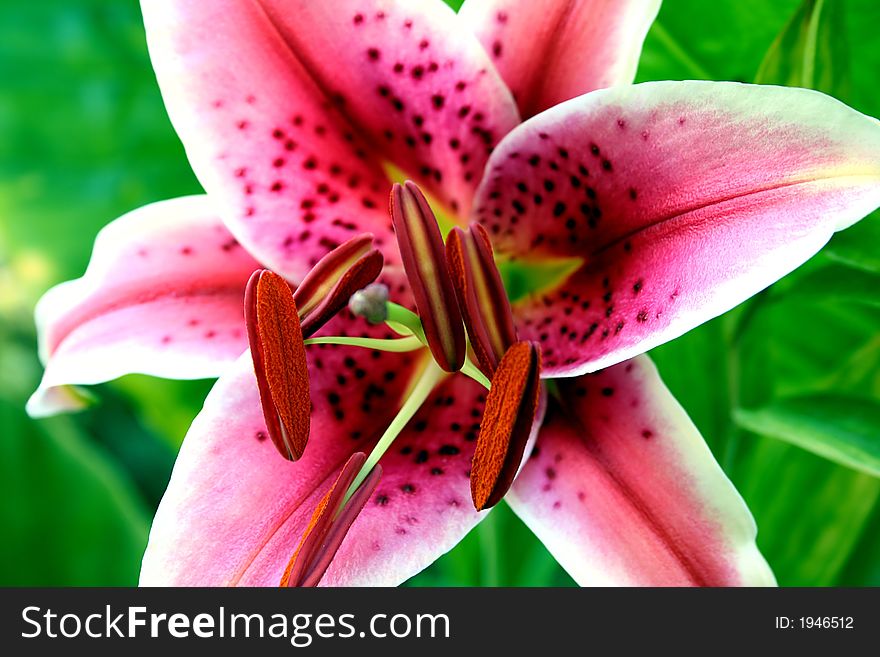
[508, 419]
[327, 288]
[279, 357]
[329, 524]
[424, 260]
[481, 295]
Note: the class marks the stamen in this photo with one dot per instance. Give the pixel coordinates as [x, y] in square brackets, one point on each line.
[481, 295]
[326, 289]
[511, 408]
[280, 364]
[421, 248]
[329, 524]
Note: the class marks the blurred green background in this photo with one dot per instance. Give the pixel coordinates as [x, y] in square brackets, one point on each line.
[786, 389]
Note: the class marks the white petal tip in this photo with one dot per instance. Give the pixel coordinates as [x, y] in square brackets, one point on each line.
[46, 402]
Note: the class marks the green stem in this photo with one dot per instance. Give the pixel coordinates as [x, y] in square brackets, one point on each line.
[428, 380]
[402, 344]
[471, 370]
[405, 319]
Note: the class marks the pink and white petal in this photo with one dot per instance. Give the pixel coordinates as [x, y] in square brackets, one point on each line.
[683, 199]
[422, 507]
[421, 88]
[234, 510]
[623, 490]
[549, 52]
[289, 174]
[162, 295]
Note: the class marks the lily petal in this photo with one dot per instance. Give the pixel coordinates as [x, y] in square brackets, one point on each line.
[234, 512]
[411, 79]
[623, 490]
[682, 199]
[292, 178]
[551, 51]
[162, 295]
[422, 506]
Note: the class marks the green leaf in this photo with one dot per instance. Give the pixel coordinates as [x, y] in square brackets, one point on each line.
[845, 430]
[85, 134]
[684, 361]
[803, 345]
[69, 517]
[165, 407]
[838, 283]
[500, 551]
[860, 37]
[695, 39]
[811, 514]
[863, 566]
[858, 246]
[808, 52]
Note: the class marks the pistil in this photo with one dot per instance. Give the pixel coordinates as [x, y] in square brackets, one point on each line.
[425, 384]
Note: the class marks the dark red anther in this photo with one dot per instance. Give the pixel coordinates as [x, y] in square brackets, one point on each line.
[508, 419]
[424, 260]
[280, 364]
[327, 288]
[481, 295]
[329, 524]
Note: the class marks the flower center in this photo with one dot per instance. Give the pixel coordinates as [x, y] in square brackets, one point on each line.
[455, 287]
[463, 322]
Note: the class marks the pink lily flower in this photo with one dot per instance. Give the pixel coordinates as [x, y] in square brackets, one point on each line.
[635, 213]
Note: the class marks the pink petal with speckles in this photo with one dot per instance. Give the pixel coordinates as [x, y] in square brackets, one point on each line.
[682, 198]
[412, 79]
[553, 50]
[162, 295]
[288, 173]
[422, 506]
[235, 511]
[624, 492]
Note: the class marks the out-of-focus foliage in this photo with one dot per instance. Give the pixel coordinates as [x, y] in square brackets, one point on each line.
[842, 429]
[84, 138]
[808, 53]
